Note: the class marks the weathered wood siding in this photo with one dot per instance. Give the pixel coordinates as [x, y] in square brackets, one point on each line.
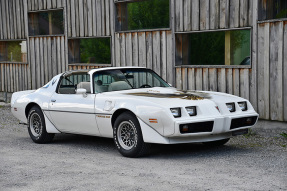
[193, 15]
[152, 49]
[47, 59]
[272, 64]
[17, 73]
[12, 19]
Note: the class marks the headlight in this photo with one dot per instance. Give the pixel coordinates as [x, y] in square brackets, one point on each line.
[191, 110]
[176, 112]
[231, 107]
[243, 105]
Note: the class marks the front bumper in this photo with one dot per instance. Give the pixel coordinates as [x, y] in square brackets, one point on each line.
[214, 126]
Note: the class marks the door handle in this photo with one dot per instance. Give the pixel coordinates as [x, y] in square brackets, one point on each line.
[53, 100]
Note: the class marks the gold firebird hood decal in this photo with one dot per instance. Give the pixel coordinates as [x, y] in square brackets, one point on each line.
[188, 95]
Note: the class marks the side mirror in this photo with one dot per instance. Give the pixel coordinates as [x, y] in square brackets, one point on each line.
[82, 91]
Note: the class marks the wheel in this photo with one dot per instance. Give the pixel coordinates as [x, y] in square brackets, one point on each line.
[37, 126]
[216, 143]
[128, 136]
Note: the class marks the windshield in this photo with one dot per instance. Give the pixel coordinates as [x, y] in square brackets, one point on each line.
[124, 79]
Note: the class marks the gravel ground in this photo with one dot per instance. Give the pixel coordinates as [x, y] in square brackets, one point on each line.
[73, 162]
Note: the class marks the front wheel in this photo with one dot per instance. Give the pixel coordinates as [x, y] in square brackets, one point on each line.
[37, 126]
[128, 136]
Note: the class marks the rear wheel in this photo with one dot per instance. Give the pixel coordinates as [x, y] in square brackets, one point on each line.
[37, 126]
[128, 136]
[216, 143]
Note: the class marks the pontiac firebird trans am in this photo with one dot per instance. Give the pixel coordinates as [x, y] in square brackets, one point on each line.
[132, 105]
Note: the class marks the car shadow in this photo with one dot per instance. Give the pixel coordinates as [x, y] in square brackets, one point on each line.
[157, 150]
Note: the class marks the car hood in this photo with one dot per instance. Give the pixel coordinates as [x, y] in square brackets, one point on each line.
[174, 97]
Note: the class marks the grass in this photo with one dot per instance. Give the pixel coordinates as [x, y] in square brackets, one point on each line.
[1, 106]
[284, 135]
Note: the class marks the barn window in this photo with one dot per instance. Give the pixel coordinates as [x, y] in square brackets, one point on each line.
[272, 9]
[13, 51]
[90, 50]
[213, 48]
[46, 23]
[140, 15]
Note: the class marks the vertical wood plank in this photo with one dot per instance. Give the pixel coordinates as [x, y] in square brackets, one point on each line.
[107, 17]
[58, 61]
[73, 18]
[8, 22]
[49, 4]
[3, 21]
[184, 79]
[212, 79]
[195, 14]
[32, 63]
[69, 21]
[163, 60]
[236, 82]
[54, 55]
[191, 79]
[81, 18]
[179, 15]
[198, 80]
[94, 12]
[285, 71]
[229, 87]
[1, 26]
[221, 80]
[149, 50]
[41, 62]
[156, 51]
[178, 78]
[103, 17]
[117, 50]
[63, 55]
[86, 17]
[214, 14]
[187, 15]
[77, 18]
[234, 13]
[45, 60]
[18, 20]
[135, 54]
[243, 13]
[263, 70]
[250, 12]
[276, 78]
[99, 16]
[169, 63]
[205, 84]
[37, 63]
[244, 83]
[123, 49]
[128, 44]
[254, 53]
[204, 15]
[142, 49]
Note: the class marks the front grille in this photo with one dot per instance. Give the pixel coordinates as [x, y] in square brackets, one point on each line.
[243, 122]
[196, 127]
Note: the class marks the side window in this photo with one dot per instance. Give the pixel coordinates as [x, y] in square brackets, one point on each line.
[102, 82]
[70, 83]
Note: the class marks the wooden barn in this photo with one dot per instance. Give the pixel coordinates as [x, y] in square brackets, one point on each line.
[233, 46]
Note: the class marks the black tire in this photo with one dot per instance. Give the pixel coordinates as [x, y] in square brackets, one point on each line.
[216, 143]
[37, 126]
[128, 136]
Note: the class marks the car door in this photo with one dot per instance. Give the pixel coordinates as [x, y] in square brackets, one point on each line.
[73, 113]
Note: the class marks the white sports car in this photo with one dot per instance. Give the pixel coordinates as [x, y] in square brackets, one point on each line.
[132, 105]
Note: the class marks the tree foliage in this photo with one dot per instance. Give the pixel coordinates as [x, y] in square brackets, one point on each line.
[148, 14]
